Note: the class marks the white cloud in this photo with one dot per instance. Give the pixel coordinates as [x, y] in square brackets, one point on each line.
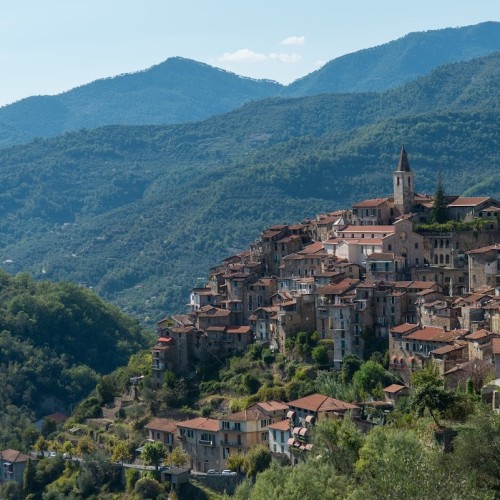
[285, 58]
[294, 40]
[242, 55]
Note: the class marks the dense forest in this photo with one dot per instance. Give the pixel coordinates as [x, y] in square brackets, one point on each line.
[180, 90]
[140, 213]
[56, 341]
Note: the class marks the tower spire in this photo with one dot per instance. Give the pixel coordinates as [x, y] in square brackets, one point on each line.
[404, 164]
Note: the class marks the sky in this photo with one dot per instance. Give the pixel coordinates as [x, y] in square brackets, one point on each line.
[50, 46]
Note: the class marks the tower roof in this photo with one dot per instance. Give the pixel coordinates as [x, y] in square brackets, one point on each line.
[404, 164]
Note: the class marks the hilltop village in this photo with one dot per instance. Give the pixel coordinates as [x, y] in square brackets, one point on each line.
[356, 304]
[381, 273]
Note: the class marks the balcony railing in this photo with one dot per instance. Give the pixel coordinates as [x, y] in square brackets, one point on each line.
[206, 442]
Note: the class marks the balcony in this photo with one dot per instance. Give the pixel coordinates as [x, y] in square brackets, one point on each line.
[229, 443]
[206, 442]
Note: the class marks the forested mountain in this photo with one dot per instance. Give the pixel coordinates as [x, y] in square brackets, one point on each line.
[180, 90]
[400, 61]
[55, 341]
[140, 213]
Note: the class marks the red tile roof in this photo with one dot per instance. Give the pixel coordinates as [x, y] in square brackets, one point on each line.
[206, 424]
[273, 406]
[371, 203]
[282, 425]
[395, 388]
[57, 417]
[463, 201]
[434, 334]
[14, 456]
[321, 403]
[484, 249]
[404, 328]
[161, 424]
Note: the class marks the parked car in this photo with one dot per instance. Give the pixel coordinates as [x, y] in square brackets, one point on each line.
[227, 472]
[212, 471]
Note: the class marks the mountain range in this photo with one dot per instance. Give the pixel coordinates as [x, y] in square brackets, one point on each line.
[181, 90]
[140, 213]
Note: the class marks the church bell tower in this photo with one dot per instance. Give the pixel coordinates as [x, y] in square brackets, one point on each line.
[403, 185]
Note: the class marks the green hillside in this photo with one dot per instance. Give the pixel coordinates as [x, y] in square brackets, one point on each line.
[397, 62]
[181, 90]
[55, 342]
[140, 213]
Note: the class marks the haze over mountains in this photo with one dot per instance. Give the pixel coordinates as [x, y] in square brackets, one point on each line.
[141, 212]
[180, 90]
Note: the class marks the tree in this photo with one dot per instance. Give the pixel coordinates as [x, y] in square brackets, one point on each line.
[131, 477]
[439, 207]
[153, 453]
[30, 484]
[338, 443]
[350, 365]
[235, 462]
[433, 398]
[68, 448]
[41, 446]
[148, 488]
[177, 457]
[257, 459]
[85, 446]
[319, 355]
[397, 464]
[371, 376]
[106, 389]
[476, 447]
[49, 426]
[122, 452]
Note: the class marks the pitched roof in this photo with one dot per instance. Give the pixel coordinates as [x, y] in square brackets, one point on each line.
[57, 417]
[375, 202]
[161, 424]
[464, 201]
[272, 405]
[404, 328]
[338, 288]
[403, 164]
[434, 334]
[252, 413]
[487, 249]
[206, 424]
[478, 334]
[321, 403]
[281, 425]
[395, 388]
[13, 456]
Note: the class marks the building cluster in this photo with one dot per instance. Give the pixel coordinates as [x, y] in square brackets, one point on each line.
[283, 427]
[353, 276]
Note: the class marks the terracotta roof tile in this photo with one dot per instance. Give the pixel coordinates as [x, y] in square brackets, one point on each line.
[161, 424]
[321, 403]
[206, 424]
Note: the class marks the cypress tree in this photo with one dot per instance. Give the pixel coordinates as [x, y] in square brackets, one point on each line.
[439, 208]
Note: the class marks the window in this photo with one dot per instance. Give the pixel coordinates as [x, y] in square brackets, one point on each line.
[225, 425]
[416, 245]
[264, 436]
[237, 426]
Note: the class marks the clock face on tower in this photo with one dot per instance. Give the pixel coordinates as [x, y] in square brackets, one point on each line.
[402, 236]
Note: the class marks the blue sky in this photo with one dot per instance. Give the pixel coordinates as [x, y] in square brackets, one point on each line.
[50, 46]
